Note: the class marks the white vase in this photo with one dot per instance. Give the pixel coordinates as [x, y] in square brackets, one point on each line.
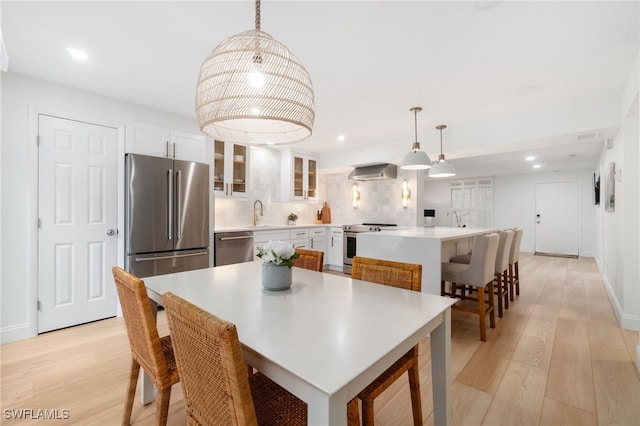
[275, 277]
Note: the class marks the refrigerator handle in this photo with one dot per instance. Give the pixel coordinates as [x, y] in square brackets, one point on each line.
[179, 204]
[170, 204]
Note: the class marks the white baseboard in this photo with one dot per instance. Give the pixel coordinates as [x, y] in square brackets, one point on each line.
[14, 333]
[630, 322]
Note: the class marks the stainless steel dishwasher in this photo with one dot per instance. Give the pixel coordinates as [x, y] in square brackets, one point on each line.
[233, 247]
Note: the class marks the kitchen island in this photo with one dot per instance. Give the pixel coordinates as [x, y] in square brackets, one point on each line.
[428, 246]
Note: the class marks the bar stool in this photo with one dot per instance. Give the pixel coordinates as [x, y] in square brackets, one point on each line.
[514, 257]
[502, 287]
[479, 273]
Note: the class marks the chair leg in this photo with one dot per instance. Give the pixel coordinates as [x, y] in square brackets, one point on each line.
[367, 412]
[506, 292]
[131, 392]
[353, 413]
[517, 279]
[499, 284]
[481, 314]
[414, 386]
[162, 409]
[511, 281]
[492, 311]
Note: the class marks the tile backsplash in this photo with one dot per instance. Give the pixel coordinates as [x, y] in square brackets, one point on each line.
[380, 201]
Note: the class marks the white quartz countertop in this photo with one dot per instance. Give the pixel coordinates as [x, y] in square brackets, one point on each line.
[438, 232]
[274, 227]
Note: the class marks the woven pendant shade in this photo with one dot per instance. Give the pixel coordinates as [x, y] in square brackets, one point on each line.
[253, 90]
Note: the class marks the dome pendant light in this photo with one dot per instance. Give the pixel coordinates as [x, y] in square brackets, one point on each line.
[441, 168]
[416, 159]
[253, 90]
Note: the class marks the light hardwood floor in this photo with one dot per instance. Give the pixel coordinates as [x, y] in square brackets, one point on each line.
[557, 357]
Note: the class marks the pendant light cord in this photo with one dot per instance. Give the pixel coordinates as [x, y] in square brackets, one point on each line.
[415, 123]
[257, 15]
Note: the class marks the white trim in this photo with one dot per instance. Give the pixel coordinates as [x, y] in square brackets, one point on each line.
[638, 358]
[630, 322]
[32, 208]
[14, 333]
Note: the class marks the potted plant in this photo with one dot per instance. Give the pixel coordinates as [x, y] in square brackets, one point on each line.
[277, 257]
[292, 218]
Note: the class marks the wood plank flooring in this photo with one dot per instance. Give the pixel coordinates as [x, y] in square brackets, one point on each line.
[557, 357]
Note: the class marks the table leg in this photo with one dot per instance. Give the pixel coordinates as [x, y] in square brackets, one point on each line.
[326, 412]
[146, 385]
[440, 369]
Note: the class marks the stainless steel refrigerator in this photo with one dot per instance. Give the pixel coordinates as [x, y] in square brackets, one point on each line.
[166, 215]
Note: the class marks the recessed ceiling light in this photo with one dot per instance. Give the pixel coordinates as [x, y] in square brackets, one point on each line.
[77, 54]
[341, 138]
[530, 158]
[536, 166]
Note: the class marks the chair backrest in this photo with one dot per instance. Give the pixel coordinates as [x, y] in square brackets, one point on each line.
[309, 259]
[140, 321]
[481, 268]
[504, 250]
[210, 364]
[514, 256]
[395, 274]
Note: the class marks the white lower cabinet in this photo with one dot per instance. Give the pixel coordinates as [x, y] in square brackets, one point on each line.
[262, 237]
[318, 241]
[335, 248]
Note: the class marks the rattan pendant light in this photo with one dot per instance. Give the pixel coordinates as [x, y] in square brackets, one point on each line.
[441, 168]
[253, 90]
[416, 159]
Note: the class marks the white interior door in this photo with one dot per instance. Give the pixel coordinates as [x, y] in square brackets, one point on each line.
[558, 218]
[77, 211]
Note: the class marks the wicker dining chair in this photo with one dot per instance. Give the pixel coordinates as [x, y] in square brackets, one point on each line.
[309, 259]
[217, 389]
[148, 349]
[402, 275]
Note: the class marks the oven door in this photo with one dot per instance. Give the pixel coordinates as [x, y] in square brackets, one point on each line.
[349, 251]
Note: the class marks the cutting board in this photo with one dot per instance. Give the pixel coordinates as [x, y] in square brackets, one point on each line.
[326, 213]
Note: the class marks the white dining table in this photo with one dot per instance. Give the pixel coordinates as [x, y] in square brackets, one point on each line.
[325, 338]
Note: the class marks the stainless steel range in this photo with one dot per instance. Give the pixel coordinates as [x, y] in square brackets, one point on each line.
[349, 240]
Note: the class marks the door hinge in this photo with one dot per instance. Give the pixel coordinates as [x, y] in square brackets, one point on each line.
[39, 224]
[38, 140]
[38, 305]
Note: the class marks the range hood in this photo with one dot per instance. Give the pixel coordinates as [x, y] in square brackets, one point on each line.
[379, 171]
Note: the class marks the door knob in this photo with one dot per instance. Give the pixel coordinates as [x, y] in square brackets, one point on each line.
[111, 232]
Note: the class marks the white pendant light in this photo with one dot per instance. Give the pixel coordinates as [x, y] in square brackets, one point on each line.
[416, 159]
[441, 168]
[253, 90]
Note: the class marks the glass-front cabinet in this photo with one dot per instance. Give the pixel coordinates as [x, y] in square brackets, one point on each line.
[230, 169]
[299, 177]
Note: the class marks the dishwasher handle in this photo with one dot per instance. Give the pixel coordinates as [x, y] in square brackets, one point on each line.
[243, 237]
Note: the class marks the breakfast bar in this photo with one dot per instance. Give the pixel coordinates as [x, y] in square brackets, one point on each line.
[428, 246]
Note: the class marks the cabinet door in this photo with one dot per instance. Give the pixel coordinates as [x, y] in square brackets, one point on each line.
[312, 179]
[188, 147]
[298, 189]
[335, 247]
[147, 139]
[230, 169]
[319, 244]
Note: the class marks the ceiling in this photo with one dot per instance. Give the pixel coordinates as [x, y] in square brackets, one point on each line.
[508, 78]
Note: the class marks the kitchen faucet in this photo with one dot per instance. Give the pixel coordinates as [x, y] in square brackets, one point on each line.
[255, 215]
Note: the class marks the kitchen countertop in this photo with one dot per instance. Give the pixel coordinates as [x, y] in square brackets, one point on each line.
[441, 233]
[274, 227]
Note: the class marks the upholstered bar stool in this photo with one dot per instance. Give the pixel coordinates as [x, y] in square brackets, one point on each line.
[479, 273]
[514, 257]
[501, 271]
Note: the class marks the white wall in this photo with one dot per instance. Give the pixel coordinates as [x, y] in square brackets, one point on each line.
[19, 94]
[618, 232]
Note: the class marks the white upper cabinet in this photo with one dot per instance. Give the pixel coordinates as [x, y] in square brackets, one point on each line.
[299, 177]
[160, 141]
[230, 169]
